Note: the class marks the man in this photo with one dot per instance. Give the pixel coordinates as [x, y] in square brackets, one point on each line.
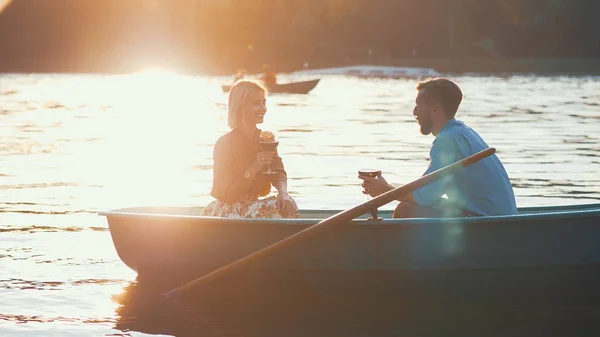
[478, 190]
[269, 78]
[240, 75]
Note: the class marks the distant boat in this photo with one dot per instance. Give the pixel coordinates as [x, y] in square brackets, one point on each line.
[374, 72]
[302, 87]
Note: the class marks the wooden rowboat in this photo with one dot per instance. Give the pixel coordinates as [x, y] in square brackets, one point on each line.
[548, 254]
[287, 88]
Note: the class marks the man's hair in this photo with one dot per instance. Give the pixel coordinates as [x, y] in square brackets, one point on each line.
[238, 100]
[443, 92]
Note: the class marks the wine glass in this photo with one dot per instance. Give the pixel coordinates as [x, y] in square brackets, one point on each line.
[268, 143]
[371, 173]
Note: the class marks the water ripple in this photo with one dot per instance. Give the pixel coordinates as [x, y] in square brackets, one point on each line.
[20, 284]
[585, 116]
[21, 319]
[39, 228]
[67, 150]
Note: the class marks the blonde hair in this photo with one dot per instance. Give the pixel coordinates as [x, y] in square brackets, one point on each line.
[238, 100]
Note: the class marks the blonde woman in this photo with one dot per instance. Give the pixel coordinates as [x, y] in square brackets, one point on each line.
[238, 162]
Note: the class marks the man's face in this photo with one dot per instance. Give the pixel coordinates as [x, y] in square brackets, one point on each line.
[422, 113]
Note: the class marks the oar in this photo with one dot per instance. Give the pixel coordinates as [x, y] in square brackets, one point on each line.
[335, 220]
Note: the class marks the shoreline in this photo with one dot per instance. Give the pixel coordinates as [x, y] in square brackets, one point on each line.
[480, 66]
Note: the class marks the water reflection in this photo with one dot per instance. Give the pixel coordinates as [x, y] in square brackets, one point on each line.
[146, 310]
[235, 312]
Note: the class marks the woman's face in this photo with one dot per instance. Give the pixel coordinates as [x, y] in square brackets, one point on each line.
[256, 108]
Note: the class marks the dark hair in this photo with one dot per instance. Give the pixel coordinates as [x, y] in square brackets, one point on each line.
[442, 91]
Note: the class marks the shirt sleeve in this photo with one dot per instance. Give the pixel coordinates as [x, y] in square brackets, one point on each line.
[228, 186]
[277, 167]
[445, 151]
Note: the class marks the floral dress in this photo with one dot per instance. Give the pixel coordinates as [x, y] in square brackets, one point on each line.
[261, 208]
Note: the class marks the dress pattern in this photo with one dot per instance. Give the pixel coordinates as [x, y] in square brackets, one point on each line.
[261, 208]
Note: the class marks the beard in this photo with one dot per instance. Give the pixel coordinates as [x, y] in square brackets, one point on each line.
[425, 125]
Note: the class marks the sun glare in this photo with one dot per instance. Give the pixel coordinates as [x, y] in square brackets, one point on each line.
[155, 71]
[160, 117]
[4, 3]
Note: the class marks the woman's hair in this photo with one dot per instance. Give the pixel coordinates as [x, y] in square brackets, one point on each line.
[238, 100]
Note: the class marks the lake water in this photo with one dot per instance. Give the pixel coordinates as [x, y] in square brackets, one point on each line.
[72, 145]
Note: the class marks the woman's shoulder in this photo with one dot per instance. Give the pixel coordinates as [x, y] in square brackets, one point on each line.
[228, 138]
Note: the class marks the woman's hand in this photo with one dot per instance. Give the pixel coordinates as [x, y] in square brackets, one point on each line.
[286, 206]
[263, 158]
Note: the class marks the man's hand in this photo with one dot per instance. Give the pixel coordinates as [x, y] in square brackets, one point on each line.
[375, 186]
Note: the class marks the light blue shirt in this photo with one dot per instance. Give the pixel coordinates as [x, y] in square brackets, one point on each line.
[482, 188]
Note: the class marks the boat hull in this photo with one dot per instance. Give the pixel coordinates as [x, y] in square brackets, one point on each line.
[303, 87]
[542, 256]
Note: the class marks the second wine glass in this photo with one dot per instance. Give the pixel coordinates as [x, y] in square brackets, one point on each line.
[268, 143]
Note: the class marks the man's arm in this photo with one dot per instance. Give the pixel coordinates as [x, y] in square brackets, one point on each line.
[403, 198]
[445, 151]
[377, 186]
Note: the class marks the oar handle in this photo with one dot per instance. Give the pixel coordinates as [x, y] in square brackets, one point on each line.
[335, 220]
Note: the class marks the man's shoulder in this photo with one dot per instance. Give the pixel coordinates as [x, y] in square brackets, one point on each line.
[456, 125]
[456, 135]
[446, 135]
[445, 142]
[459, 130]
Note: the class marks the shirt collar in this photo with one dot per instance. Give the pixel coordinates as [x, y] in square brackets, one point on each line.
[449, 124]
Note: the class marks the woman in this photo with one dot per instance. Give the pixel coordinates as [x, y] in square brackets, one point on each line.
[239, 161]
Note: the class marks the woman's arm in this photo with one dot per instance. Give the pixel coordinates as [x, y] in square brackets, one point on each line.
[286, 206]
[281, 186]
[279, 179]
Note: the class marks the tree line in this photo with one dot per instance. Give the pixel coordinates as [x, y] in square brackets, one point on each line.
[229, 34]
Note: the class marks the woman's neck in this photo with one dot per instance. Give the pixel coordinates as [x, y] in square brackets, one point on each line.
[249, 131]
